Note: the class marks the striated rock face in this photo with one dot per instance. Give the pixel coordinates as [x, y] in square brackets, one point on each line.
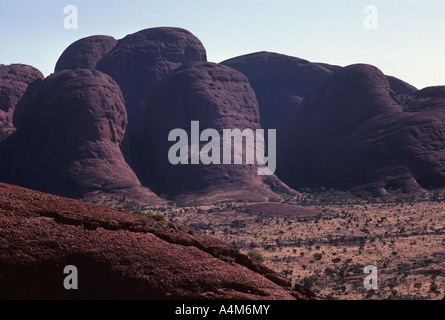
[135, 62]
[219, 98]
[119, 255]
[68, 136]
[280, 83]
[14, 81]
[353, 132]
[85, 53]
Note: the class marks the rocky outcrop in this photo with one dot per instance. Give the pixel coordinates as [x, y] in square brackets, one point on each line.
[118, 255]
[68, 136]
[135, 62]
[353, 132]
[85, 53]
[219, 98]
[399, 86]
[14, 81]
[280, 82]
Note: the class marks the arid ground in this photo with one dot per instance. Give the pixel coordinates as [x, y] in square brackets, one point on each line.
[324, 240]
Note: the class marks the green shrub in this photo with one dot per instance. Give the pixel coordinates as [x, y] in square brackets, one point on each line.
[159, 217]
[193, 229]
[406, 101]
[171, 225]
[318, 256]
[140, 212]
[255, 256]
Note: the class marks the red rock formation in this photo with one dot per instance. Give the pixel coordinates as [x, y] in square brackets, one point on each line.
[14, 80]
[85, 53]
[135, 62]
[353, 133]
[118, 255]
[219, 98]
[142, 58]
[68, 137]
[280, 83]
[399, 86]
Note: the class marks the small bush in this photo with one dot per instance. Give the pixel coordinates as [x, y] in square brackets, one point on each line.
[336, 260]
[308, 282]
[318, 256]
[159, 217]
[181, 203]
[141, 213]
[193, 229]
[330, 272]
[407, 102]
[171, 225]
[255, 256]
[433, 288]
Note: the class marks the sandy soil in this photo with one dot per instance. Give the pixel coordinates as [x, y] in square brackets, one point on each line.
[324, 242]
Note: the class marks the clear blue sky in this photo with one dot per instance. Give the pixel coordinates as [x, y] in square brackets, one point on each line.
[409, 42]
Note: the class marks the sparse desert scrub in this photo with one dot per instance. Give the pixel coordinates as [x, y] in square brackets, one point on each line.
[331, 243]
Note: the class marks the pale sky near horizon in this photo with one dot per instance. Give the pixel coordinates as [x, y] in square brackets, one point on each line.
[409, 42]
